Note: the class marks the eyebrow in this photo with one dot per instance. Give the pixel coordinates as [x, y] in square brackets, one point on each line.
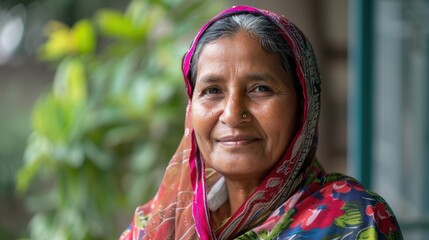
[209, 78]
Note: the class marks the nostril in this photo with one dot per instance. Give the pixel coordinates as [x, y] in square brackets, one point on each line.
[234, 110]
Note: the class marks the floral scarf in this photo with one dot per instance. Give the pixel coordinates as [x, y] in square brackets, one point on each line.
[296, 200]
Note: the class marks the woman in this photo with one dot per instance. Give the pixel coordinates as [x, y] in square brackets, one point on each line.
[246, 166]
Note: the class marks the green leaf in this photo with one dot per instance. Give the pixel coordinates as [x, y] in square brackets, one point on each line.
[369, 233]
[84, 36]
[352, 216]
[59, 42]
[31, 167]
[123, 74]
[50, 127]
[63, 41]
[70, 82]
[283, 224]
[113, 23]
[58, 114]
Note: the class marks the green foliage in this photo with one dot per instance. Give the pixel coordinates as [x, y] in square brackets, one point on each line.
[103, 134]
[64, 41]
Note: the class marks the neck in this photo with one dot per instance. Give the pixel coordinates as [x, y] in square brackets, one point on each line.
[239, 192]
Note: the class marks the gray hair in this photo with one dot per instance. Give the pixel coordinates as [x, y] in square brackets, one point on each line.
[270, 38]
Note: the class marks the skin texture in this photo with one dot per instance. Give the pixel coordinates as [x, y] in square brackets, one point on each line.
[235, 76]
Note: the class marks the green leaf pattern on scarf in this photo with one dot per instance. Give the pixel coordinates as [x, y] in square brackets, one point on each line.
[351, 217]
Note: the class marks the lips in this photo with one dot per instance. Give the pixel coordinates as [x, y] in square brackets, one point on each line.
[237, 140]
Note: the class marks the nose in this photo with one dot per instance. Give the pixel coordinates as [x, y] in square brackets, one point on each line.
[235, 106]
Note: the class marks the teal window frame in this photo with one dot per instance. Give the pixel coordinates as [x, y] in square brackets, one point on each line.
[361, 101]
[360, 105]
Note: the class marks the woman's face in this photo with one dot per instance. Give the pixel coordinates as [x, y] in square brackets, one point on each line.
[235, 76]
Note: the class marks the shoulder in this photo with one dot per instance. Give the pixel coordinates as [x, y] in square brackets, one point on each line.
[360, 206]
[343, 187]
[332, 206]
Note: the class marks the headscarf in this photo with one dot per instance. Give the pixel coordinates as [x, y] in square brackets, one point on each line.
[287, 201]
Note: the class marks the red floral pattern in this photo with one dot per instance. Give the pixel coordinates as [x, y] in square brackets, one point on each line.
[327, 208]
[382, 217]
[320, 213]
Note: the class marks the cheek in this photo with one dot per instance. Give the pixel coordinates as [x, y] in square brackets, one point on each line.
[280, 126]
[202, 120]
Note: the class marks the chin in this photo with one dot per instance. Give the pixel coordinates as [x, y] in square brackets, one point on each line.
[237, 168]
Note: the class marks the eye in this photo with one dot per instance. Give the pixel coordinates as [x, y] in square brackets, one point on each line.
[261, 88]
[211, 90]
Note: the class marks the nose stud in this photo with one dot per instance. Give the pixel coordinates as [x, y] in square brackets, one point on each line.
[244, 115]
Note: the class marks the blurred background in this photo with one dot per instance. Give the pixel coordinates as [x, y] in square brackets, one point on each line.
[92, 104]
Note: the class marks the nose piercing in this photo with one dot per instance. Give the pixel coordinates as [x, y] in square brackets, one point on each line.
[244, 115]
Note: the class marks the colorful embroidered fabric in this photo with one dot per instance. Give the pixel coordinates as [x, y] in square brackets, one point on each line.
[296, 200]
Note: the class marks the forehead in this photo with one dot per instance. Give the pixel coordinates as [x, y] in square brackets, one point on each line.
[239, 56]
[240, 47]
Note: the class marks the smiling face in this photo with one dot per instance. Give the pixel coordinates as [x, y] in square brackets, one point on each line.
[235, 76]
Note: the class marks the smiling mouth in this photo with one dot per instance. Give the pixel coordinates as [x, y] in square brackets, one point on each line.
[235, 141]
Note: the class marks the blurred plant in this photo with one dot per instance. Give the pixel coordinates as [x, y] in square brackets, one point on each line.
[102, 136]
